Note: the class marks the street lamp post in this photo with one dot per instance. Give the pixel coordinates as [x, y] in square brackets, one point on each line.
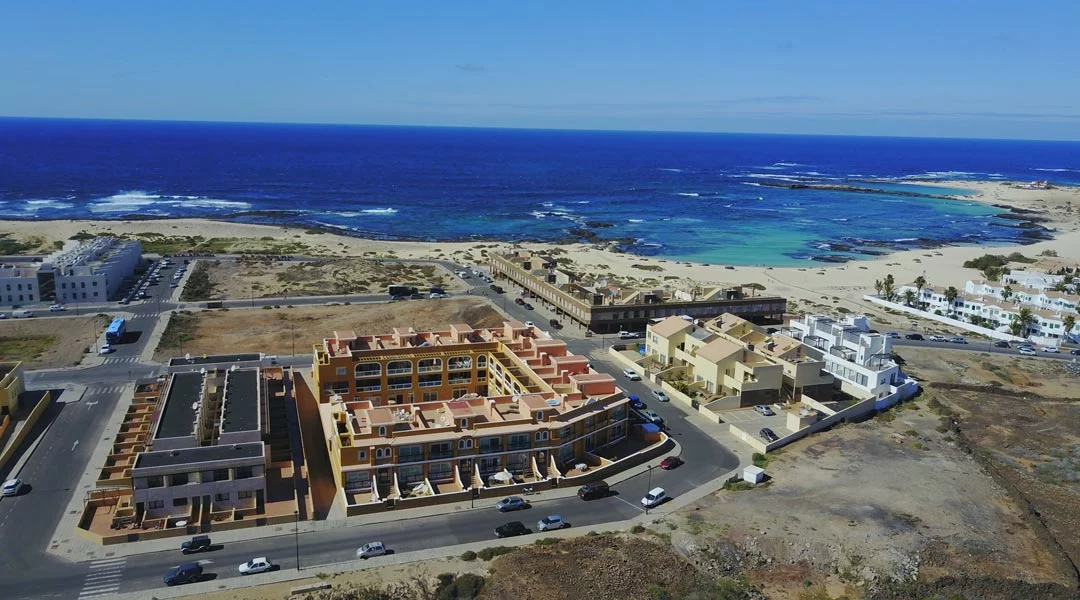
[253, 295]
[296, 532]
[650, 487]
[293, 326]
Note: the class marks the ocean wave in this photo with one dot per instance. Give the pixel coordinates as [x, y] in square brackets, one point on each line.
[671, 170]
[905, 239]
[582, 202]
[772, 168]
[39, 205]
[636, 220]
[209, 203]
[753, 183]
[379, 211]
[789, 164]
[787, 178]
[688, 194]
[1048, 170]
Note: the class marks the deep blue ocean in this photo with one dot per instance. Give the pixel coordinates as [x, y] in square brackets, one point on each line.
[688, 196]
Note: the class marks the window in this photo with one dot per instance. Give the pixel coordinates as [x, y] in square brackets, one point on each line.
[357, 480]
[464, 423]
[440, 472]
[411, 475]
[178, 479]
[481, 361]
[243, 472]
[221, 497]
[382, 430]
[464, 444]
[440, 450]
[95, 285]
[458, 363]
[361, 455]
[431, 396]
[342, 370]
[429, 365]
[95, 294]
[179, 502]
[243, 495]
[378, 453]
[221, 474]
[155, 504]
[155, 481]
[368, 369]
[541, 436]
[407, 454]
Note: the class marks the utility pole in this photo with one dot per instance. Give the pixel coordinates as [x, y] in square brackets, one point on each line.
[296, 532]
[650, 488]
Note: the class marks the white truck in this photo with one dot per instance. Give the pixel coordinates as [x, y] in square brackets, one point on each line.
[21, 314]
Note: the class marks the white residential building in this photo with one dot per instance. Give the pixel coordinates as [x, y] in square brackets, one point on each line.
[87, 272]
[1049, 324]
[1034, 297]
[861, 360]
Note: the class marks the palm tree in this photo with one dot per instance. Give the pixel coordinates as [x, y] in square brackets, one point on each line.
[1006, 293]
[877, 286]
[888, 287]
[951, 293]
[992, 273]
[920, 283]
[909, 297]
[1023, 321]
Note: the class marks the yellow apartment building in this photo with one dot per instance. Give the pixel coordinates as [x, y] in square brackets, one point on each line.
[729, 357]
[446, 410]
[11, 386]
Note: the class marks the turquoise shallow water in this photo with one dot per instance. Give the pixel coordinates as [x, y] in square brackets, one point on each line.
[700, 197]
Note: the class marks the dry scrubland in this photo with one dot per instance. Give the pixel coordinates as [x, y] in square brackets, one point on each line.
[49, 343]
[274, 331]
[280, 279]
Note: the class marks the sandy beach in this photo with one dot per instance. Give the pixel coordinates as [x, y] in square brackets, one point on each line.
[812, 288]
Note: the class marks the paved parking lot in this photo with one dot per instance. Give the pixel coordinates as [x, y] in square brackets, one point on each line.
[750, 421]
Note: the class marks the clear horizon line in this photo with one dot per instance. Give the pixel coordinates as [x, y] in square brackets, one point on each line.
[511, 128]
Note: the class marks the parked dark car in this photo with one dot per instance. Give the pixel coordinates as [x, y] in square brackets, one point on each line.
[1001, 344]
[555, 324]
[397, 298]
[185, 573]
[519, 302]
[1075, 351]
[198, 543]
[914, 336]
[768, 435]
[593, 489]
[511, 529]
[528, 306]
[416, 296]
[636, 402]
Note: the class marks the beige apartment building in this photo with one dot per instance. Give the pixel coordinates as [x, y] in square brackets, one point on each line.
[730, 358]
[424, 413]
[610, 309]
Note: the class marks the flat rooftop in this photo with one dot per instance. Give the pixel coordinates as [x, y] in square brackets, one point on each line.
[181, 406]
[173, 458]
[241, 409]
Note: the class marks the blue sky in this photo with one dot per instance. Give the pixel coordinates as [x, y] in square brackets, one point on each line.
[984, 68]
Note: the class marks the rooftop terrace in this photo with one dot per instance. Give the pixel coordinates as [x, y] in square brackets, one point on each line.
[172, 458]
[241, 409]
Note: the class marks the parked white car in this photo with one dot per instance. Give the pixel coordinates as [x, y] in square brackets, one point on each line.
[631, 374]
[1050, 349]
[105, 349]
[256, 565]
[1026, 351]
[550, 523]
[371, 549]
[654, 497]
[57, 308]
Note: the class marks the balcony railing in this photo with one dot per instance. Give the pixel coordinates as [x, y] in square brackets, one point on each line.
[440, 455]
[368, 388]
[458, 380]
[435, 383]
[410, 458]
[516, 447]
[490, 449]
[429, 369]
[402, 371]
[368, 373]
[399, 386]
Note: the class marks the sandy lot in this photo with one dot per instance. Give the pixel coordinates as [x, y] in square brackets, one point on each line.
[1021, 373]
[868, 501]
[49, 343]
[263, 278]
[280, 331]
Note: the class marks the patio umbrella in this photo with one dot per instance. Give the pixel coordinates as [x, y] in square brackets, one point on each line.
[502, 476]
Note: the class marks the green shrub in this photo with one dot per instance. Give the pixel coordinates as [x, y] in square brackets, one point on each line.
[492, 552]
[468, 555]
[760, 460]
[464, 587]
[637, 529]
[738, 486]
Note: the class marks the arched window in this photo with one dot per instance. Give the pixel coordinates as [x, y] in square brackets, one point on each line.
[399, 367]
[481, 361]
[368, 369]
[428, 365]
[459, 363]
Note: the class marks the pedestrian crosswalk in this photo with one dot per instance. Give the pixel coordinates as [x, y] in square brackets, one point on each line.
[113, 360]
[105, 389]
[103, 579]
[149, 315]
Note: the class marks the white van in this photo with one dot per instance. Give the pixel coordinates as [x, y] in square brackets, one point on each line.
[21, 314]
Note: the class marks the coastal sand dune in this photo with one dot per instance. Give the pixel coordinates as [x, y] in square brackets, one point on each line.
[811, 287]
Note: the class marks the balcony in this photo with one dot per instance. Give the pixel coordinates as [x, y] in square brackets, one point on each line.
[433, 383]
[401, 371]
[368, 388]
[429, 369]
[491, 449]
[361, 373]
[519, 447]
[400, 386]
[410, 458]
[441, 455]
[459, 380]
